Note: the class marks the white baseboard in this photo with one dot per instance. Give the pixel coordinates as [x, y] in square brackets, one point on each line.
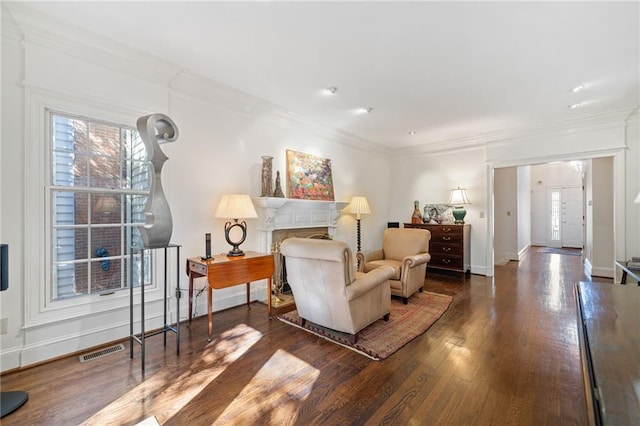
[602, 272]
[512, 256]
[501, 262]
[10, 358]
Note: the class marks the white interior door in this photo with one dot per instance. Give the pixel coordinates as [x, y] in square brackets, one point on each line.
[572, 218]
[554, 218]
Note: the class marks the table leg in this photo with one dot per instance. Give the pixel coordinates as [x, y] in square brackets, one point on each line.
[249, 295]
[269, 296]
[210, 311]
[190, 297]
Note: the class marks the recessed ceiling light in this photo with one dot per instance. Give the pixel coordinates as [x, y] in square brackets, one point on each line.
[412, 132]
[331, 90]
[578, 105]
[578, 88]
[367, 110]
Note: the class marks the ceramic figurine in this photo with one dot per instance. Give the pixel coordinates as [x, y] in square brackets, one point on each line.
[278, 192]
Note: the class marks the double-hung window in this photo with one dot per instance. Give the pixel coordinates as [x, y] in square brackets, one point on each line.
[98, 187]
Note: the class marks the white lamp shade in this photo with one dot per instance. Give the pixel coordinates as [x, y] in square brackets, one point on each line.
[459, 197]
[359, 205]
[235, 206]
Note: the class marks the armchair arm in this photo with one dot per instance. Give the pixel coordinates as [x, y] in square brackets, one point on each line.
[415, 260]
[365, 282]
[367, 256]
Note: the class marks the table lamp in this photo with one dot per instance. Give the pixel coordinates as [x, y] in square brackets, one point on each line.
[458, 199]
[235, 206]
[358, 206]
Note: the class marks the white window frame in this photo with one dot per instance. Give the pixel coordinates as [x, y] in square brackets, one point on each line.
[39, 308]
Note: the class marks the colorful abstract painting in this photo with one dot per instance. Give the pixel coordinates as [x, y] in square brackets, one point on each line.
[309, 177]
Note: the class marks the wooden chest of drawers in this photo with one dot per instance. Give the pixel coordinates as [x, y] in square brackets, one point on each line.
[449, 246]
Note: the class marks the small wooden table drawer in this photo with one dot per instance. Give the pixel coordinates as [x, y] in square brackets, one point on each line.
[198, 268]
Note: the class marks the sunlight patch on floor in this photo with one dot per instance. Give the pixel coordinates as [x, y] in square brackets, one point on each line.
[553, 297]
[163, 395]
[459, 355]
[277, 390]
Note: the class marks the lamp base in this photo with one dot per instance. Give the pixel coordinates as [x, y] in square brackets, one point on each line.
[235, 251]
[459, 213]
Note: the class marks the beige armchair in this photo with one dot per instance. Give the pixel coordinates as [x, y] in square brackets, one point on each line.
[407, 251]
[328, 290]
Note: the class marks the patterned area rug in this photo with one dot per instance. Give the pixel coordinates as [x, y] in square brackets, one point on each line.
[553, 250]
[382, 338]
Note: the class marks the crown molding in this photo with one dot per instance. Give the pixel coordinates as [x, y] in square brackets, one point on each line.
[10, 28]
[45, 31]
[194, 86]
[606, 120]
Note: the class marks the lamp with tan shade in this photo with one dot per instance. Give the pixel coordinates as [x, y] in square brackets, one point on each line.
[359, 205]
[235, 207]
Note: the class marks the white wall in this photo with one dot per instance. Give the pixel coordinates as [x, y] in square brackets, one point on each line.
[430, 177]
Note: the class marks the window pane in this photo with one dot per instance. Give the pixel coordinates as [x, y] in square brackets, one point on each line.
[106, 209]
[106, 241]
[106, 275]
[133, 145]
[64, 275]
[105, 172]
[69, 134]
[81, 274]
[69, 243]
[136, 268]
[135, 175]
[69, 169]
[69, 208]
[135, 208]
[105, 140]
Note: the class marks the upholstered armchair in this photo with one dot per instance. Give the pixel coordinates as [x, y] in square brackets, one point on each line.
[328, 290]
[406, 250]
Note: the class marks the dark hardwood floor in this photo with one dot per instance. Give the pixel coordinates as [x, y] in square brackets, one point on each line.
[506, 352]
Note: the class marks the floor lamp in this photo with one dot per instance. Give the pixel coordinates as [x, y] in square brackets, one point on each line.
[358, 206]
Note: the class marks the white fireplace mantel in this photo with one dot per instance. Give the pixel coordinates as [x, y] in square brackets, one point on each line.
[288, 213]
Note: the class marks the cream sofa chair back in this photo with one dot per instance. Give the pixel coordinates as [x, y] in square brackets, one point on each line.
[328, 290]
[406, 250]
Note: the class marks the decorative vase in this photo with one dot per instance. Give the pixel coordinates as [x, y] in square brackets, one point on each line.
[278, 191]
[416, 217]
[267, 176]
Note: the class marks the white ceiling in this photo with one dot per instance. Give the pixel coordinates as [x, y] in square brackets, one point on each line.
[446, 70]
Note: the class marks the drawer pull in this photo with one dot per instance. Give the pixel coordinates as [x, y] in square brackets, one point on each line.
[446, 248]
[446, 261]
[446, 238]
[446, 229]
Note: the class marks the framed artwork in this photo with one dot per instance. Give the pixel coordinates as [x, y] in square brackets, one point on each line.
[309, 177]
[435, 212]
